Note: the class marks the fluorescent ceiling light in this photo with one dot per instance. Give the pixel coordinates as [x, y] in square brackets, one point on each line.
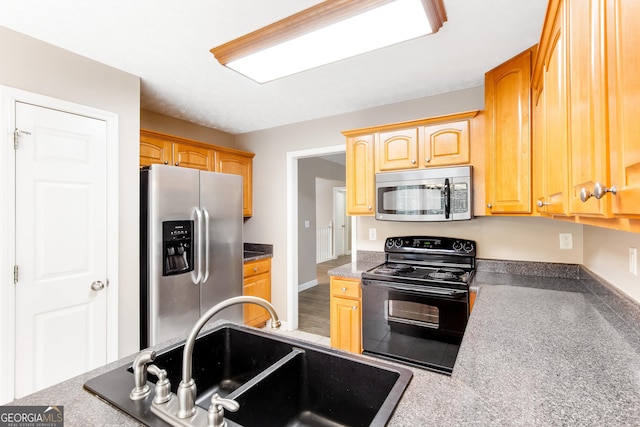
[328, 32]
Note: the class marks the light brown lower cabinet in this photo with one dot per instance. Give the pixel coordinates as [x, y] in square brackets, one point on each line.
[346, 314]
[472, 299]
[257, 283]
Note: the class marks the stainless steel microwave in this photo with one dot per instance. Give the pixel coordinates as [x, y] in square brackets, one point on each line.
[434, 194]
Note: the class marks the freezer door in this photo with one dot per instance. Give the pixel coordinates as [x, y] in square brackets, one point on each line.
[172, 301]
[221, 205]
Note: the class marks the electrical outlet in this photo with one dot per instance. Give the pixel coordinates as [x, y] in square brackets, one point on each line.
[633, 261]
[566, 241]
[372, 234]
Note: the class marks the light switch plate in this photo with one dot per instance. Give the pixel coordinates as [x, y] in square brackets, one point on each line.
[372, 234]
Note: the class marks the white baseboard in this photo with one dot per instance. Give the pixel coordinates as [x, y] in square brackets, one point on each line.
[309, 284]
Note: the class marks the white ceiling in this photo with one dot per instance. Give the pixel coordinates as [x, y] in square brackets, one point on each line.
[167, 42]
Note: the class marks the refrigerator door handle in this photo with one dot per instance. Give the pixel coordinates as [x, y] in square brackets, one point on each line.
[198, 277]
[206, 245]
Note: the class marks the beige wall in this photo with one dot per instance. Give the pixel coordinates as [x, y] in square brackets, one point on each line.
[165, 124]
[31, 65]
[503, 238]
[606, 253]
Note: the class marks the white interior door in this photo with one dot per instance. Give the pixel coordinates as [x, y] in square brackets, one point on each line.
[340, 221]
[61, 246]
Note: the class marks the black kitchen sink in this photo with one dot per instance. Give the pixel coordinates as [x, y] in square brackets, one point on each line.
[276, 380]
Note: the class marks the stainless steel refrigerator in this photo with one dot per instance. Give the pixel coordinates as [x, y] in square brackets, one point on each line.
[190, 248]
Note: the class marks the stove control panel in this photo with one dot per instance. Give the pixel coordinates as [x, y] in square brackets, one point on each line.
[426, 244]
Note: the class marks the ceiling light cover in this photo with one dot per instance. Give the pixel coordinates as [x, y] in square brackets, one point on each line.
[338, 31]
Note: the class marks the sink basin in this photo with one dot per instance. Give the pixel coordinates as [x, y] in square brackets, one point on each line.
[276, 380]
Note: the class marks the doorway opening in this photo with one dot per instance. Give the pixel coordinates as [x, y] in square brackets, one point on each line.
[302, 265]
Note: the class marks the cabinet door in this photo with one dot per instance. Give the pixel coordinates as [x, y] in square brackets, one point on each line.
[360, 175]
[508, 158]
[539, 144]
[587, 106]
[397, 150]
[556, 148]
[345, 319]
[445, 144]
[345, 325]
[258, 286]
[623, 52]
[154, 150]
[191, 156]
[238, 164]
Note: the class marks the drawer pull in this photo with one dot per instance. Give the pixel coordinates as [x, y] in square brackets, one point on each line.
[255, 269]
[344, 289]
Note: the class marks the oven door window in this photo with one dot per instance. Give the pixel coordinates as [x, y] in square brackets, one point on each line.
[413, 313]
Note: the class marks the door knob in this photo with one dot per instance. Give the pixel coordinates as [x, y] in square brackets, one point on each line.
[97, 286]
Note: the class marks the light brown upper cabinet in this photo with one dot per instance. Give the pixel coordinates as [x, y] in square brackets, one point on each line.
[438, 141]
[447, 144]
[398, 150]
[193, 156]
[623, 68]
[586, 109]
[160, 148]
[359, 175]
[155, 149]
[550, 72]
[238, 163]
[508, 140]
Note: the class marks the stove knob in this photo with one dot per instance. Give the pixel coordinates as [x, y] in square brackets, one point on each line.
[398, 243]
[457, 246]
[389, 243]
[468, 247]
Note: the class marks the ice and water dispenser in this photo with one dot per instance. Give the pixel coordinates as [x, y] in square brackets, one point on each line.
[177, 247]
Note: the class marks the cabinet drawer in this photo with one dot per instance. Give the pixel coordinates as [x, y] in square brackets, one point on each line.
[345, 288]
[260, 266]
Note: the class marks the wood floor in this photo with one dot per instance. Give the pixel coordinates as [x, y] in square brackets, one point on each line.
[313, 303]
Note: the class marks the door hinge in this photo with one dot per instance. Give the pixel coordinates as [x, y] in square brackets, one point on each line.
[15, 274]
[16, 135]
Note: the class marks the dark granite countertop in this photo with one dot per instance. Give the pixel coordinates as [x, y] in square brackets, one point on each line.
[538, 350]
[256, 251]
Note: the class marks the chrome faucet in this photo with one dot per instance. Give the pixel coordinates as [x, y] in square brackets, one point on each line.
[141, 389]
[187, 388]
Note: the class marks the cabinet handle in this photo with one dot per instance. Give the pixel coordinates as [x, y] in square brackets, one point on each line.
[585, 194]
[166, 162]
[600, 190]
[344, 289]
[355, 307]
[413, 162]
[427, 160]
[369, 207]
[255, 269]
[542, 204]
[490, 206]
[177, 163]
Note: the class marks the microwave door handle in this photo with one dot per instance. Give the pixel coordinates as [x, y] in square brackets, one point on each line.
[447, 198]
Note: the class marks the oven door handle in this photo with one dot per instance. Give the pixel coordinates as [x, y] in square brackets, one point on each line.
[426, 290]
